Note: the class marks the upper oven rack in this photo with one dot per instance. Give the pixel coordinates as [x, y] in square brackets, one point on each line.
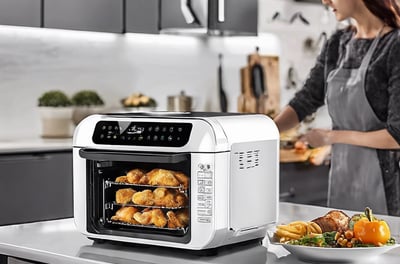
[109, 183]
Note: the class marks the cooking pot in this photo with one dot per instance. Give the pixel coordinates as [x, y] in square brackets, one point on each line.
[180, 103]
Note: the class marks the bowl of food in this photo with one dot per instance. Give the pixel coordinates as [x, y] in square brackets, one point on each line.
[138, 102]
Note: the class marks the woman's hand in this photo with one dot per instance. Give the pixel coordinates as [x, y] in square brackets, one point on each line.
[318, 137]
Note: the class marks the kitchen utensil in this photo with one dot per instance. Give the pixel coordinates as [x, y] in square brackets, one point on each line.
[247, 102]
[180, 103]
[222, 95]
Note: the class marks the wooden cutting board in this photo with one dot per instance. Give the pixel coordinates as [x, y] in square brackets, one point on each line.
[291, 155]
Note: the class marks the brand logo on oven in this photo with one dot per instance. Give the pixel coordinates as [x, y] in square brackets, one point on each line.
[133, 130]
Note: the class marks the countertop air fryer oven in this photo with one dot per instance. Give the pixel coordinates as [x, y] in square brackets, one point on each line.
[185, 180]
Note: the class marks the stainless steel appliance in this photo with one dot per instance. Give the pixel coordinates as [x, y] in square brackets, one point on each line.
[217, 171]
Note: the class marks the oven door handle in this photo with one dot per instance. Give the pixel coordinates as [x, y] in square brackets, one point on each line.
[132, 156]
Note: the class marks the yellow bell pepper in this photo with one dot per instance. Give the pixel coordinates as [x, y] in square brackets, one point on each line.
[371, 231]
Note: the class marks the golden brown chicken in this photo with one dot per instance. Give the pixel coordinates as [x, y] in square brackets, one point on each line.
[178, 219]
[334, 220]
[125, 214]
[124, 196]
[161, 177]
[121, 179]
[151, 217]
[135, 175]
[182, 178]
[145, 197]
[169, 198]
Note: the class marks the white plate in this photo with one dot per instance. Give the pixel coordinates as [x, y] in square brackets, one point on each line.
[319, 254]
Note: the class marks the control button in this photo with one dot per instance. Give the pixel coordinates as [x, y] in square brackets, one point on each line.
[208, 174]
[170, 138]
[150, 129]
[209, 182]
[101, 136]
[157, 128]
[103, 128]
[140, 138]
[123, 137]
[162, 137]
[180, 129]
[208, 190]
[155, 138]
[204, 219]
[200, 182]
[109, 127]
[164, 129]
[114, 137]
[171, 129]
[201, 189]
[148, 137]
[201, 198]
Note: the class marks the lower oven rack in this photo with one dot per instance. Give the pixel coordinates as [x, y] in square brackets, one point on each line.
[175, 231]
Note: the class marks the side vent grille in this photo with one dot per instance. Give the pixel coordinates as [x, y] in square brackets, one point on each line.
[248, 159]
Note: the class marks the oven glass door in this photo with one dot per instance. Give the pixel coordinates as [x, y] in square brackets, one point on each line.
[138, 194]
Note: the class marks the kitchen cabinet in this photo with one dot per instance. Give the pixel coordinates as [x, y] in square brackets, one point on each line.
[234, 9]
[91, 15]
[141, 16]
[171, 15]
[303, 183]
[21, 12]
[35, 186]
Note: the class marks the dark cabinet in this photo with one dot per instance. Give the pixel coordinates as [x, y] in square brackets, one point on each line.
[35, 187]
[171, 16]
[217, 17]
[304, 183]
[234, 16]
[141, 16]
[91, 15]
[20, 12]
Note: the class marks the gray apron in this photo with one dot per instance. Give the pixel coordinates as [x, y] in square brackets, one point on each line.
[355, 179]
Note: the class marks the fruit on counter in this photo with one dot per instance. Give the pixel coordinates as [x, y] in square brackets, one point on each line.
[138, 100]
[300, 146]
[370, 230]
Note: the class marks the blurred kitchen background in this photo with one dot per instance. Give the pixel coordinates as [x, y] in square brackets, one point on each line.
[36, 60]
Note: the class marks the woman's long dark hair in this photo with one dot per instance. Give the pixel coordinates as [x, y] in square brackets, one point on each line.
[387, 10]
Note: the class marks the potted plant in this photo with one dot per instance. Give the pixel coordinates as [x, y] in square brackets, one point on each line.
[86, 102]
[56, 114]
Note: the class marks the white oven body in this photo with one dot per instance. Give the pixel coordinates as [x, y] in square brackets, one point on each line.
[234, 177]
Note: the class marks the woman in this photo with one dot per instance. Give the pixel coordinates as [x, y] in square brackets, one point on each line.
[358, 76]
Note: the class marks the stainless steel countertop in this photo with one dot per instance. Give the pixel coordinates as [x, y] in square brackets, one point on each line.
[59, 242]
[34, 144]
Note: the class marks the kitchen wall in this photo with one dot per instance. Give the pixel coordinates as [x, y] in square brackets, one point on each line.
[34, 60]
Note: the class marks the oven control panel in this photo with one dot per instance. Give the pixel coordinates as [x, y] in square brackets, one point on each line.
[204, 193]
[142, 133]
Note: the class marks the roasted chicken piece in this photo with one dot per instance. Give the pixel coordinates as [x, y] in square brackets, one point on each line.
[122, 179]
[125, 214]
[334, 220]
[135, 175]
[161, 177]
[151, 217]
[145, 197]
[178, 219]
[123, 196]
[169, 198]
[182, 178]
